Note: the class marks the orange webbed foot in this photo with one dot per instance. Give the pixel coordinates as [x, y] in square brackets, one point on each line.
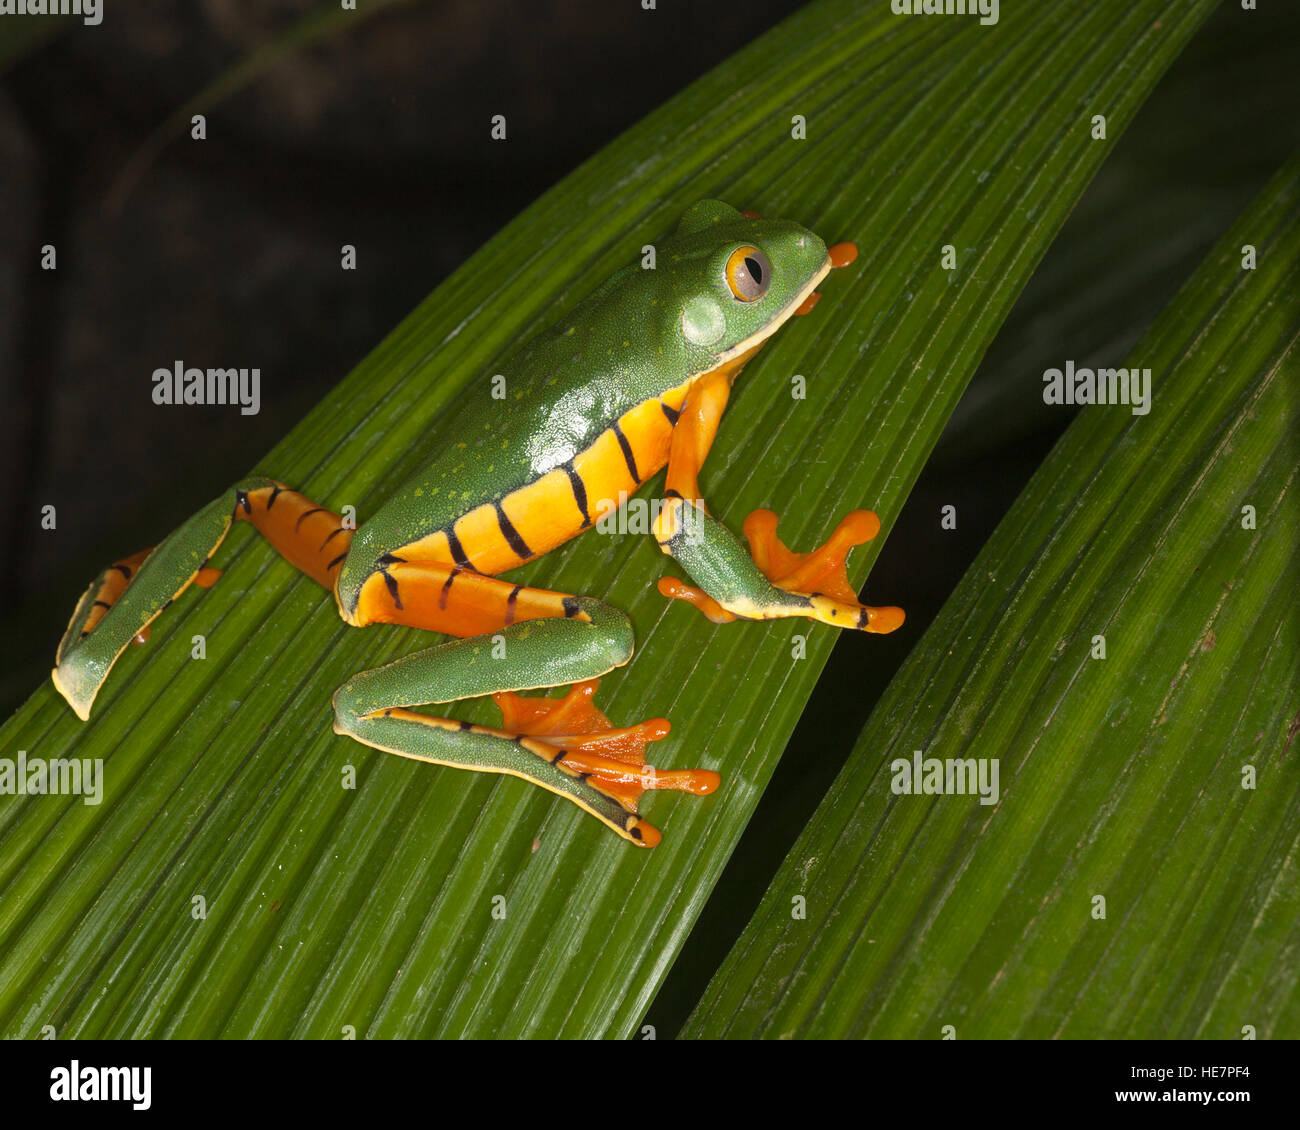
[823, 572]
[612, 758]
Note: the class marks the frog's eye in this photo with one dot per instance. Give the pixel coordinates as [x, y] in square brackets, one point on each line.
[748, 273]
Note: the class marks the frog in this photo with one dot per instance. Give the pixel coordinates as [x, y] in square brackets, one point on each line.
[632, 380]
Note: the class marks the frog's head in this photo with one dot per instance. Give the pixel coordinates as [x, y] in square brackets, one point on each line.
[737, 278]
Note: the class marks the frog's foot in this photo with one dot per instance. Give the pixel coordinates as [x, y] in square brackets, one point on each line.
[812, 585]
[107, 589]
[822, 574]
[573, 734]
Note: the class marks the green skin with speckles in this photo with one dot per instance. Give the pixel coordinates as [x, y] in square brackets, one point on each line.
[641, 334]
[622, 346]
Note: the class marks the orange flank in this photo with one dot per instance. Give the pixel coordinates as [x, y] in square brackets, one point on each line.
[453, 600]
[842, 254]
[311, 538]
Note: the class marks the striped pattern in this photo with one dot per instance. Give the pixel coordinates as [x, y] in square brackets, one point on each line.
[309, 537]
[610, 796]
[452, 599]
[528, 522]
[103, 593]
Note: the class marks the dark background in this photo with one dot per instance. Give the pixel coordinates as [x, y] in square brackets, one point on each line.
[227, 253]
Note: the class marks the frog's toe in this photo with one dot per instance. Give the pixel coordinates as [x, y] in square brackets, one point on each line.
[842, 254]
[675, 589]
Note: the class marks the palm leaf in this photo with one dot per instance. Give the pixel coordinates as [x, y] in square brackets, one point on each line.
[1160, 777]
[372, 908]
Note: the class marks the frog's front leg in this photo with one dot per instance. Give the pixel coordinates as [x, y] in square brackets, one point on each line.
[565, 745]
[769, 581]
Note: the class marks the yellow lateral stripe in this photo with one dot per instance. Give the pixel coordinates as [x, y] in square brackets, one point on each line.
[546, 513]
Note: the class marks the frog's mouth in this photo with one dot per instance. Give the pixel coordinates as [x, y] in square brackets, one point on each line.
[750, 344]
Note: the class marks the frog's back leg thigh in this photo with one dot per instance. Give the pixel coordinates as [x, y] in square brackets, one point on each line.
[124, 600]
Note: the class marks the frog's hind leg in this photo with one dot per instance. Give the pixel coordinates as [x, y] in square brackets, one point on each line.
[565, 745]
[121, 603]
[104, 592]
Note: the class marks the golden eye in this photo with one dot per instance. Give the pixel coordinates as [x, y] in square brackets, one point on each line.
[748, 273]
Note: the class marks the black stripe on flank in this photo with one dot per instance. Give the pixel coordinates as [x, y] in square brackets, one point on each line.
[387, 559]
[570, 607]
[579, 489]
[628, 457]
[863, 618]
[279, 490]
[465, 725]
[516, 543]
[673, 414]
[125, 570]
[446, 589]
[303, 516]
[102, 604]
[457, 550]
[670, 493]
[391, 582]
[337, 561]
[330, 537]
[511, 601]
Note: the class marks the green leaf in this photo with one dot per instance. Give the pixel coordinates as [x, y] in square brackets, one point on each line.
[1161, 777]
[1148, 219]
[372, 907]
